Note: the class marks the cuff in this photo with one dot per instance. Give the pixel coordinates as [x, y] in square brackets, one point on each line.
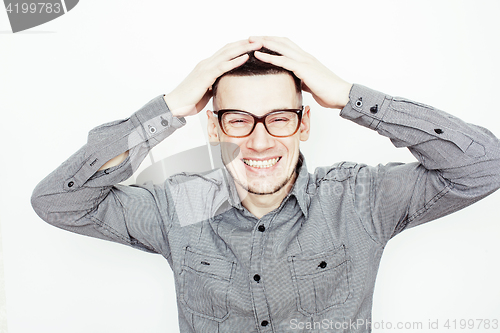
[155, 117]
[145, 128]
[366, 107]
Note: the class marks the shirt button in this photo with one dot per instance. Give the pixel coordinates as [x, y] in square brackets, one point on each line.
[163, 122]
[256, 277]
[262, 228]
[322, 264]
[264, 323]
[438, 130]
[374, 109]
[359, 102]
[70, 184]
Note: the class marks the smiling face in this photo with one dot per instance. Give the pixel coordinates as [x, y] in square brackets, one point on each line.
[259, 163]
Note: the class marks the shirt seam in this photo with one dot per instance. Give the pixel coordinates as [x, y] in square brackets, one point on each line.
[430, 203]
[353, 193]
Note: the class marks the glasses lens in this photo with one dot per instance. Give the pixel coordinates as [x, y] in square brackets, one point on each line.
[237, 124]
[279, 123]
[282, 123]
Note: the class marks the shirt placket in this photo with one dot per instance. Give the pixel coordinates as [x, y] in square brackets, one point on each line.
[257, 279]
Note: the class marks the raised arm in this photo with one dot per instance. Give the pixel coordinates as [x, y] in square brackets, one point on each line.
[458, 163]
[82, 194]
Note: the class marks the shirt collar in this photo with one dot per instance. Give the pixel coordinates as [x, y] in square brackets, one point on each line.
[299, 189]
[232, 193]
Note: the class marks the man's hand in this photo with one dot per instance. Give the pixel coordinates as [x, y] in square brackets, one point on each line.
[328, 89]
[191, 96]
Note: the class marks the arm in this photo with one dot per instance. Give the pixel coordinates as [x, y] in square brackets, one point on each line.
[458, 163]
[82, 194]
[79, 197]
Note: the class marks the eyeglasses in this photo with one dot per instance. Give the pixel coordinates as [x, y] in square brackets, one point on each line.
[279, 123]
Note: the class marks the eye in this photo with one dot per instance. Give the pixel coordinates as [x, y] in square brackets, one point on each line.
[237, 121]
[277, 120]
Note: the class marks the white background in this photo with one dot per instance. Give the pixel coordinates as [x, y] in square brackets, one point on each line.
[105, 59]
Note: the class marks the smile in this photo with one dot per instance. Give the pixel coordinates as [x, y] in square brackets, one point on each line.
[261, 163]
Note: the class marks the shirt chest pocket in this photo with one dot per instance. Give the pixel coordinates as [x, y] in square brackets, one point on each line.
[321, 281]
[205, 282]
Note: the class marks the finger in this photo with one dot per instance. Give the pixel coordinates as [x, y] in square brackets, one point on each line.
[231, 64]
[284, 49]
[280, 61]
[254, 39]
[232, 45]
[277, 42]
[283, 40]
[230, 51]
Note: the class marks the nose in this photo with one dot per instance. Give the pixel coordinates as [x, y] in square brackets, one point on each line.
[260, 139]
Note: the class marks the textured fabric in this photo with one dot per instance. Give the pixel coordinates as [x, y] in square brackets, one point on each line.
[308, 266]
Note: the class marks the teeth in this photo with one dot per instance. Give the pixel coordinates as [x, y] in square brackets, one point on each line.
[261, 164]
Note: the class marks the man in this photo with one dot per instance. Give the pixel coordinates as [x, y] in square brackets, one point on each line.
[262, 245]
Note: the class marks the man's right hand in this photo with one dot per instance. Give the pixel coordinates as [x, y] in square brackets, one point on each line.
[191, 96]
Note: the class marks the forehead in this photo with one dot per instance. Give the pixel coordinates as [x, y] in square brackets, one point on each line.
[257, 94]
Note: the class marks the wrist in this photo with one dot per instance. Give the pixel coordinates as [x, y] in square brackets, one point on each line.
[172, 105]
[344, 93]
[177, 108]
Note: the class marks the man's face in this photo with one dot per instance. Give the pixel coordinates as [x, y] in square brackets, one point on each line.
[260, 163]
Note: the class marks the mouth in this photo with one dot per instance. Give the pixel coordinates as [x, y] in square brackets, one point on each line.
[262, 164]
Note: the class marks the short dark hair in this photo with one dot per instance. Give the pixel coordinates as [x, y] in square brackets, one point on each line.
[254, 66]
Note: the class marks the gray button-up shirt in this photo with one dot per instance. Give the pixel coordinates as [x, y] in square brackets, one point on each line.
[309, 265]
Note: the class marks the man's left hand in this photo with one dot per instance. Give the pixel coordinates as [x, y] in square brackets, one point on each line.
[329, 90]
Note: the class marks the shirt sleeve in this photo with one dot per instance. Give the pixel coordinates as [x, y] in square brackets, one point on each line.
[80, 198]
[458, 163]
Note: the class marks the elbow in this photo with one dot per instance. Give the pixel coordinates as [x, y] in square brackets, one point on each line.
[63, 209]
[488, 176]
[485, 169]
[496, 176]
[38, 203]
[480, 176]
[493, 165]
[45, 202]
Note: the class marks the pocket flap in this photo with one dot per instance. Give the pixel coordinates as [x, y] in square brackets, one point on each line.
[304, 266]
[212, 265]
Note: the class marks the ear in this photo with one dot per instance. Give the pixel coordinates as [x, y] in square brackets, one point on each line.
[212, 129]
[305, 124]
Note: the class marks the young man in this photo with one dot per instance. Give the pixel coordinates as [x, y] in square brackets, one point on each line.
[262, 245]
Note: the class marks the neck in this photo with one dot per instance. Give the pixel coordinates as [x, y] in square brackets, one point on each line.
[258, 204]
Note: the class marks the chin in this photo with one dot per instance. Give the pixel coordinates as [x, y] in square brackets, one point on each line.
[260, 181]
[266, 188]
